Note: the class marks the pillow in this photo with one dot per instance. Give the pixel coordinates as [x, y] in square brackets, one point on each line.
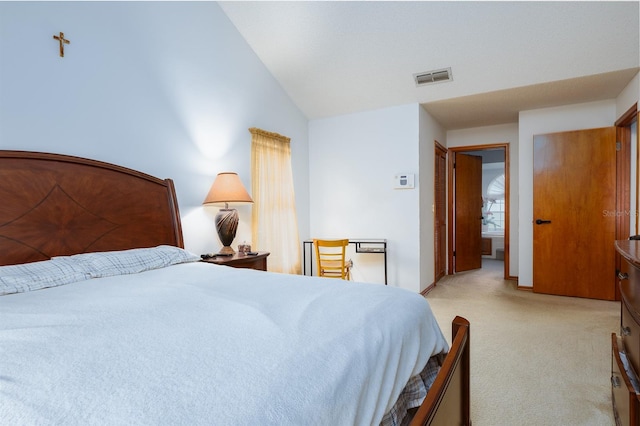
[37, 275]
[110, 263]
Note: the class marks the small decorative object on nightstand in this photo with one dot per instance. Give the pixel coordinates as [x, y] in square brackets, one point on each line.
[251, 260]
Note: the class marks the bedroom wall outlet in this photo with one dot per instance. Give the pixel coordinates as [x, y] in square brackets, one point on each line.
[404, 181]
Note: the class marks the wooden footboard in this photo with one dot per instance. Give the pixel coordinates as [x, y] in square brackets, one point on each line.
[448, 399]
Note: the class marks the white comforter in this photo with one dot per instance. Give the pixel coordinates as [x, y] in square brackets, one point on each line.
[205, 344]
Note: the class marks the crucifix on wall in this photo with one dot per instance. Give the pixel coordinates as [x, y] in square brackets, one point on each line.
[62, 41]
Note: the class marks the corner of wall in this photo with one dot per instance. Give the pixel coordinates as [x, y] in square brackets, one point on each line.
[630, 95]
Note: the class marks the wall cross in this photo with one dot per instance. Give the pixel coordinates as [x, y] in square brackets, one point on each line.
[62, 41]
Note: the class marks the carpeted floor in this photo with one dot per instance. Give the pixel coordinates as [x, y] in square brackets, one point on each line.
[535, 359]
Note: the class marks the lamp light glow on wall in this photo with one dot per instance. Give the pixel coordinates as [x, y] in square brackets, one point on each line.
[227, 188]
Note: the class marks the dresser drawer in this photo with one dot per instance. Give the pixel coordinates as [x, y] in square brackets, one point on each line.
[623, 395]
[630, 332]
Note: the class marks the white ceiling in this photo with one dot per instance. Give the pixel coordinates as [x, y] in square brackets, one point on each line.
[336, 57]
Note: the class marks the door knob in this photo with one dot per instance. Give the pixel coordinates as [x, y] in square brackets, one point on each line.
[541, 222]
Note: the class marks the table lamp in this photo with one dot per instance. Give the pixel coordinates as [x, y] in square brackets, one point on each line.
[227, 188]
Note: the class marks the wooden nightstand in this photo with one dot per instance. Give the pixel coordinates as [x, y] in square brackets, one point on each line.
[256, 261]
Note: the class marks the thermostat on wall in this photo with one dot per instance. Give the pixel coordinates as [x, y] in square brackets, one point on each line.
[404, 181]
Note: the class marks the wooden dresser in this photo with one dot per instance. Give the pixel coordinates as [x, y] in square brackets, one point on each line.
[625, 348]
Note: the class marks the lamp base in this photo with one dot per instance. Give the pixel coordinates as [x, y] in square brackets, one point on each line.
[226, 225]
[226, 251]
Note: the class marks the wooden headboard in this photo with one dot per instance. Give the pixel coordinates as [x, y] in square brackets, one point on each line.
[53, 205]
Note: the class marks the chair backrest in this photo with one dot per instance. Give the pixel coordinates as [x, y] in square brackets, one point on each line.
[330, 258]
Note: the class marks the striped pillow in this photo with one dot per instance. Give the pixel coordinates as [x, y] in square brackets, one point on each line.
[37, 275]
[110, 263]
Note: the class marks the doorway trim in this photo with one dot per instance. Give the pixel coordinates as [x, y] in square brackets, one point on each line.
[623, 179]
[440, 211]
[451, 203]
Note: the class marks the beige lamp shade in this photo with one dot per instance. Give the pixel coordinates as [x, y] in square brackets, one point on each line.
[227, 188]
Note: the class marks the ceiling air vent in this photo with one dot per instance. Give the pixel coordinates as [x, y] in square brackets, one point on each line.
[430, 77]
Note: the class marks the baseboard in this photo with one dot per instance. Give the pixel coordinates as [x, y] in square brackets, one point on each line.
[428, 289]
[511, 278]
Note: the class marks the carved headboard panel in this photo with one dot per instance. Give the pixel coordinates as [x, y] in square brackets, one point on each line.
[53, 205]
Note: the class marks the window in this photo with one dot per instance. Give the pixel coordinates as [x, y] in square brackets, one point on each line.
[274, 221]
[493, 206]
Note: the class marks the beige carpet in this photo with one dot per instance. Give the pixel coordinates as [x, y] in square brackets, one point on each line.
[535, 359]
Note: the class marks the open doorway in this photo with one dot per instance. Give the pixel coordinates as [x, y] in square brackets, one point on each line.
[492, 207]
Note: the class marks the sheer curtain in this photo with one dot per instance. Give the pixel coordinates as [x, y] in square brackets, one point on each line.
[274, 221]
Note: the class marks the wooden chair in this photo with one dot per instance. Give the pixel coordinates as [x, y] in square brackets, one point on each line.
[331, 258]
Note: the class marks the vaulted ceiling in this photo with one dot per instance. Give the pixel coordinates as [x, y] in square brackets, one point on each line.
[335, 57]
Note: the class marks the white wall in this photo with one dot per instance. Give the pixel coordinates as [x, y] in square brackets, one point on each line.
[504, 133]
[352, 162]
[167, 88]
[549, 120]
[629, 96]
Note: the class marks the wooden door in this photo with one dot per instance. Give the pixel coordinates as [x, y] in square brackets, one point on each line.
[574, 213]
[468, 212]
[440, 212]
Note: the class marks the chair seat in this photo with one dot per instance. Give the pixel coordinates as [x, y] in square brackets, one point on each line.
[333, 269]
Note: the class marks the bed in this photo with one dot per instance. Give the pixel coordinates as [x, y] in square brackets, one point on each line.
[106, 319]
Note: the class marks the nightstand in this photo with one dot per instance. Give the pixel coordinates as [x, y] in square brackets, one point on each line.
[256, 261]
